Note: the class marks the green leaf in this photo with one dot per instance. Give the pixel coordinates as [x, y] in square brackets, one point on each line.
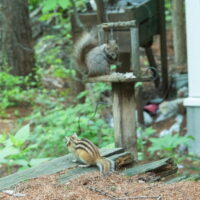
[168, 142]
[49, 5]
[23, 133]
[64, 3]
[7, 151]
[21, 162]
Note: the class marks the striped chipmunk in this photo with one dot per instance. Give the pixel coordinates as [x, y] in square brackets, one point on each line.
[88, 153]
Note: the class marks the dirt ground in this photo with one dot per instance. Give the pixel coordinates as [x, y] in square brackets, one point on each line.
[93, 186]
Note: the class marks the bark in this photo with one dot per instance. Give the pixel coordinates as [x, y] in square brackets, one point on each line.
[17, 36]
[179, 32]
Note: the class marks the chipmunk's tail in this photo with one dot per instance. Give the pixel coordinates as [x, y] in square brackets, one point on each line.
[105, 165]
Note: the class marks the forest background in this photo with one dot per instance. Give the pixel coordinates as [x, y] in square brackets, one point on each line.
[40, 103]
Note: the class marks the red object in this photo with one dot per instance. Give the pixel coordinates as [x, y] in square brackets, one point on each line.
[151, 108]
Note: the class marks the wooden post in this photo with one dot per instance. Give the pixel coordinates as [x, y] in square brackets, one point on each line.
[124, 105]
[124, 116]
[135, 67]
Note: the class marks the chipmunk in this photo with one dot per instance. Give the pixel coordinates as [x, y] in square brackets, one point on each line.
[94, 59]
[86, 152]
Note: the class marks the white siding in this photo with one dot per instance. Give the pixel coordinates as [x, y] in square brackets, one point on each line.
[193, 46]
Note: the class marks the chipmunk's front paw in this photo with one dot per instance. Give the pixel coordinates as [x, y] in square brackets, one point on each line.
[84, 165]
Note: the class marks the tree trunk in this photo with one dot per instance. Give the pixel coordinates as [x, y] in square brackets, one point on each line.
[16, 36]
[179, 33]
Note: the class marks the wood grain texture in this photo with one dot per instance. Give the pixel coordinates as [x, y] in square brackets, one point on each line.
[48, 167]
[124, 107]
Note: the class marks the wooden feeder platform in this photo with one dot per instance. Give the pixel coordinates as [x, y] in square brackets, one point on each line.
[118, 77]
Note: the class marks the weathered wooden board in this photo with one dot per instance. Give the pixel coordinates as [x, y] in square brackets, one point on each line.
[161, 168]
[153, 166]
[193, 177]
[74, 173]
[120, 160]
[48, 167]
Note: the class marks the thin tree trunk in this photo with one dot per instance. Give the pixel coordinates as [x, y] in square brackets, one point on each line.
[179, 32]
[17, 36]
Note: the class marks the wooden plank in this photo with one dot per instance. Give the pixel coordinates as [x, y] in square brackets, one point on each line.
[193, 177]
[160, 168]
[177, 179]
[45, 168]
[48, 167]
[120, 160]
[72, 174]
[156, 166]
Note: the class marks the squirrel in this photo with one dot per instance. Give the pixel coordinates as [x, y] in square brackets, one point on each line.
[94, 59]
[88, 153]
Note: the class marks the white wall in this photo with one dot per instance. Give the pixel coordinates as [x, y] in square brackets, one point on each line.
[193, 46]
[193, 52]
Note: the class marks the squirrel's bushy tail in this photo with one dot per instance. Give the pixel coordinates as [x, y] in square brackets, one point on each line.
[83, 45]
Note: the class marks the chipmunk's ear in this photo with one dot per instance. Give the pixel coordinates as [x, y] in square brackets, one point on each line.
[75, 135]
[67, 138]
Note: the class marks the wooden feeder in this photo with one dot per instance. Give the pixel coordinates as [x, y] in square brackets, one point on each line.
[132, 28]
[150, 17]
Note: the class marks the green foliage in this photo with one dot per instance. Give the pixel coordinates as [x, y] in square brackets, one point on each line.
[142, 141]
[168, 146]
[168, 143]
[14, 148]
[12, 93]
[50, 5]
[168, 11]
[51, 127]
[48, 55]
[51, 121]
